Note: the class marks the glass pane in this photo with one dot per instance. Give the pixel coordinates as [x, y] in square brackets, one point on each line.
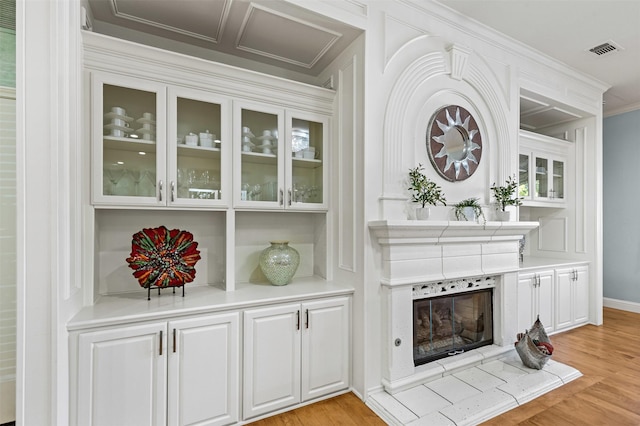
[199, 148]
[259, 165]
[523, 188]
[129, 145]
[542, 179]
[558, 179]
[450, 325]
[307, 167]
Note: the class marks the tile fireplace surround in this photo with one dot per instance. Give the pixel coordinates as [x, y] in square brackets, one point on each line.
[414, 253]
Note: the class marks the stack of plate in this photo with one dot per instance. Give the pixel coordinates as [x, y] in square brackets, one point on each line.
[268, 142]
[148, 129]
[117, 122]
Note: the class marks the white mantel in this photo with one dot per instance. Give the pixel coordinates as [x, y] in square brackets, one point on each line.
[419, 252]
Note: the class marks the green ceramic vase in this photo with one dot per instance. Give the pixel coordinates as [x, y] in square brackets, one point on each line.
[279, 262]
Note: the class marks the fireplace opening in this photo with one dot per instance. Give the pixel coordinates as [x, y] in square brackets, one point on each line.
[452, 324]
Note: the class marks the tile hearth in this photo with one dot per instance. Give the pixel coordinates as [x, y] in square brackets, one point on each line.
[471, 395]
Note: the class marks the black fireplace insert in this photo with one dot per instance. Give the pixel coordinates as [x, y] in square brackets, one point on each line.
[449, 325]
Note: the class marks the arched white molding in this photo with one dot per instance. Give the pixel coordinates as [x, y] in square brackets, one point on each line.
[397, 114]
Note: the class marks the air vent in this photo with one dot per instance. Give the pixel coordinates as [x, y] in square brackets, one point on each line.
[606, 48]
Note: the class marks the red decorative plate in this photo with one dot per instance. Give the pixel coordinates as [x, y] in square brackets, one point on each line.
[163, 258]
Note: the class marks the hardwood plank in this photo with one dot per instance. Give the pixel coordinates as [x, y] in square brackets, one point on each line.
[608, 393]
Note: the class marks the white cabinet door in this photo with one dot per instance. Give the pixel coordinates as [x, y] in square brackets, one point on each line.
[325, 347]
[572, 296]
[129, 161]
[122, 376]
[198, 148]
[204, 370]
[526, 300]
[536, 298]
[564, 290]
[545, 296]
[581, 295]
[271, 359]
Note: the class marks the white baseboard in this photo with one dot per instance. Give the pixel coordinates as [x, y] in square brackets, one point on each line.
[623, 305]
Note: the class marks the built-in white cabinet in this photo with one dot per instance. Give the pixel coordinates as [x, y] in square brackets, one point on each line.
[280, 158]
[535, 298]
[560, 295]
[542, 170]
[572, 296]
[181, 372]
[294, 353]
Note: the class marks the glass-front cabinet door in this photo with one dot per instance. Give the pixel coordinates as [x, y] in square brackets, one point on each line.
[129, 151]
[308, 151]
[549, 178]
[199, 155]
[259, 179]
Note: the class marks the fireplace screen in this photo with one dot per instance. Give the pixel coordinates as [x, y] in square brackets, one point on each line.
[450, 325]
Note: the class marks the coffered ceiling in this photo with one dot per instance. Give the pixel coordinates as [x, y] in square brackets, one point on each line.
[266, 32]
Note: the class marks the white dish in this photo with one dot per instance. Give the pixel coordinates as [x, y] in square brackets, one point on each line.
[266, 146]
[112, 115]
[266, 138]
[145, 121]
[249, 134]
[114, 127]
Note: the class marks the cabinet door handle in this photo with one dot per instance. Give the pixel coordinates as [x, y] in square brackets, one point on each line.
[289, 191]
[174, 340]
[173, 190]
[160, 342]
[298, 320]
[160, 190]
[281, 197]
[306, 318]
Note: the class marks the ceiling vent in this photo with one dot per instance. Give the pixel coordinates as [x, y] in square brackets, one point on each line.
[606, 48]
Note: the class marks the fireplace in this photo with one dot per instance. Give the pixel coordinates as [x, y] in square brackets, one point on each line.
[425, 267]
[450, 325]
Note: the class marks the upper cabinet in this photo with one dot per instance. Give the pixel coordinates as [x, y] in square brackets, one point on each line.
[542, 170]
[166, 145]
[280, 158]
[156, 145]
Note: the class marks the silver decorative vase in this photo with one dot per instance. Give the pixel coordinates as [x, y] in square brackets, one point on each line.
[279, 262]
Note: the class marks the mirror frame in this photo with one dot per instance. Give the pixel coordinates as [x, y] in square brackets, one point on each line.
[454, 143]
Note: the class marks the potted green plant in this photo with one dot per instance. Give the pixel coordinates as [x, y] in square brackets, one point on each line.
[506, 196]
[468, 209]
[424, 191]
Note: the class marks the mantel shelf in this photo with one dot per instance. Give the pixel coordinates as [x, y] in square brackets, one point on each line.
[435, 231]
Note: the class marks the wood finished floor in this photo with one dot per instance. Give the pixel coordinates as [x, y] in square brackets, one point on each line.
[608, 393]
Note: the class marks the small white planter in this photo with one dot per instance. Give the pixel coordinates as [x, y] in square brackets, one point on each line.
[503, 216]
[469, 213]
[422, 213]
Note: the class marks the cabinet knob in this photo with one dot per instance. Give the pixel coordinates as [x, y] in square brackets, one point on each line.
[289, 192]
[173, 190]
[281, 197]
[160, 184]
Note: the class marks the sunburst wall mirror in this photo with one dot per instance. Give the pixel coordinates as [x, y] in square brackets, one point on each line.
[454, 143]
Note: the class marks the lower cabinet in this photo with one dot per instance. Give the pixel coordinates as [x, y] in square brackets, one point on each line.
[187, 371]
[572, 296]
[559, 295]
[294, 353]
[179, 372]
[535, 298]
